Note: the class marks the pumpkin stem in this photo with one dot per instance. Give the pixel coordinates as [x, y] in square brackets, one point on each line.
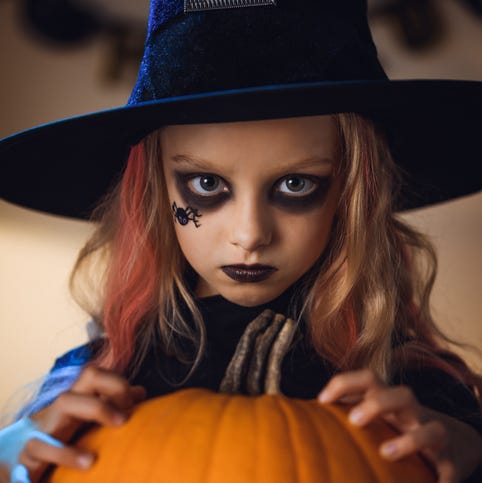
[261, 349]
[259, 359]
[238, 365]
[278, 351]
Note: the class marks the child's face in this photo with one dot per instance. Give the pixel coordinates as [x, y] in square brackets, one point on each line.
[252, 193]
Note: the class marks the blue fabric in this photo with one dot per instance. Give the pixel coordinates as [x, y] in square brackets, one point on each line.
[297, 58]
[218, 50]
[161, 12]
[78, 356]
[60, 378]
[13, 439]
[63, 374]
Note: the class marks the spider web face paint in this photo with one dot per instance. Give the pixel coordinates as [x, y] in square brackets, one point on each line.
[184, 215]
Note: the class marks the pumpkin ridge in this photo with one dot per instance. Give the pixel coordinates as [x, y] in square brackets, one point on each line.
[134, 437]
[224, 414]
[338, 421]
[272, 443]
[316, 421]
[281, 409]
[368, 440]
[169, 416]
[356, 435]
[258, 441]
[306, 436]
[209, 410]
[186, 403]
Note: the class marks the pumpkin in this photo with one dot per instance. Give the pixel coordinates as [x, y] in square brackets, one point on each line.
[201, 436]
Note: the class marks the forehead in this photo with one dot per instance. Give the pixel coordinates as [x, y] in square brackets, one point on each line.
[273, 141]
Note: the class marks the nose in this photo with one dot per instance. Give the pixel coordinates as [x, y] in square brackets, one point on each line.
[251, 225]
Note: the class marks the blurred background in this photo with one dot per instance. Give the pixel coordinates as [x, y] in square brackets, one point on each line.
[60, 58]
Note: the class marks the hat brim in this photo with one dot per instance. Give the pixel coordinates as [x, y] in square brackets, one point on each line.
[433, 126]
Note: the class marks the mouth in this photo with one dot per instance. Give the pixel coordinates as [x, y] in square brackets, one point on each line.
[248, 273]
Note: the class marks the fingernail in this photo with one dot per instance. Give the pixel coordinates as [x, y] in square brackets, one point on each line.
[119, 419]
[324, 397]
[389, 449]
[85, 461]
[356, 416]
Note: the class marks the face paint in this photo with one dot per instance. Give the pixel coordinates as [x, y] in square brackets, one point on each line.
[295, 193]
[308, 200]
[269, 191]
[183, 216]
[208, 200]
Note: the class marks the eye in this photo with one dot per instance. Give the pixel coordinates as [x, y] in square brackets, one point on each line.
[207, 185]
[294, 185]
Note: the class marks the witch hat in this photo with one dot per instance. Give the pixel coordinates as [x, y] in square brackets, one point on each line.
[235, 60]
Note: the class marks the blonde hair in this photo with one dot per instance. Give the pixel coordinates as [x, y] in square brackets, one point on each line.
[366, 302]
[367, 293]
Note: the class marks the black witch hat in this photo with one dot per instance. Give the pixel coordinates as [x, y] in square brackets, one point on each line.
[236, 60]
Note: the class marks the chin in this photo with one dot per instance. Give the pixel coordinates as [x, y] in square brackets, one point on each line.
[251, 296]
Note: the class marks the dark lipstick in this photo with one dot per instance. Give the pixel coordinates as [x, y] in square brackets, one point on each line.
[248, 273]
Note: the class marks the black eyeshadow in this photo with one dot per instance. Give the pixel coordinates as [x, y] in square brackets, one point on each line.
[192, 199]
[298, 204]
[291, 204]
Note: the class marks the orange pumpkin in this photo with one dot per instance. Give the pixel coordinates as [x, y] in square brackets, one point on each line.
[199, 436]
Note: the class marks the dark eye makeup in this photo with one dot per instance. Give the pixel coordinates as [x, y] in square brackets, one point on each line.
[307, 192]
[293, 192]
[191, 185]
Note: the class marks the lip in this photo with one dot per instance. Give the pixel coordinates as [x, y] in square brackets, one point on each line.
[248, 273]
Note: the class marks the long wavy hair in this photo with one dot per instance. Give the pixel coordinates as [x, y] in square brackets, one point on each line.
[366, 303]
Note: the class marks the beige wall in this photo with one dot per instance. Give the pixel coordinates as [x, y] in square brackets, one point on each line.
[38, 320]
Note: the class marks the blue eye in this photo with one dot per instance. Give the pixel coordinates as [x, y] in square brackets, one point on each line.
[296, 186]
[206, 185]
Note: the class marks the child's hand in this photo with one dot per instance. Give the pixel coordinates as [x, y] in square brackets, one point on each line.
[4, 474]
[97, 396]
[453, 447]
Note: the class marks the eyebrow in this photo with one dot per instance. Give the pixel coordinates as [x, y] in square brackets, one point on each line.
[202, 164]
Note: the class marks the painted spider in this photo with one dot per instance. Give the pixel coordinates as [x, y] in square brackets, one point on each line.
[184, 215]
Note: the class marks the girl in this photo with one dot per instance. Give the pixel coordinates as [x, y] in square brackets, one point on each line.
[260, 176]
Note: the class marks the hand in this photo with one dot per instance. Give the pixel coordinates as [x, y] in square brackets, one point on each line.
[453, 447]
[97, 396]
[4, 474]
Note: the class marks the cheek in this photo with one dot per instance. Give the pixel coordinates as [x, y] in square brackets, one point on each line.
[308, 236]
[196, 243]
[189, 236]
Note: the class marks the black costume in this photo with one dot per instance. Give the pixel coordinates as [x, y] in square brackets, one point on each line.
[304, 373]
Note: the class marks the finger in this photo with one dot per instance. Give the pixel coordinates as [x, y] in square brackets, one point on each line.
[349, 384]
[4, 474]
[138, 393]
[37, 453]
[431, 436]
[397, 404]
[88, 408]
[351, 399]
[112, 387]
[447, 472]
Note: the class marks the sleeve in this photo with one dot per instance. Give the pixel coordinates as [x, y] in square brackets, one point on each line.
[440, 391]
[60, 378]
[79, 356]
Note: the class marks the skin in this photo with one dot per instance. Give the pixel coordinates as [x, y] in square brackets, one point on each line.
[253, 224]
[252, 216]
[97, 396]
[452, 447]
